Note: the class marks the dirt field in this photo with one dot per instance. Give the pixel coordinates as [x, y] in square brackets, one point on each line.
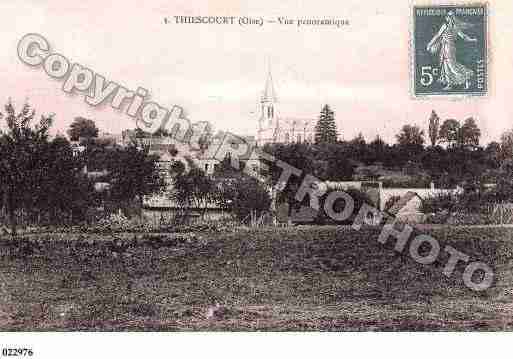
[303, 278]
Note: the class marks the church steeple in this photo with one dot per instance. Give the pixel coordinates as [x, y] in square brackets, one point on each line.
[269, 92]
[268, 102]
[268, 123]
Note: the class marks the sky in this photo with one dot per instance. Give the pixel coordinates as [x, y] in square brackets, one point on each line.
[217, 72]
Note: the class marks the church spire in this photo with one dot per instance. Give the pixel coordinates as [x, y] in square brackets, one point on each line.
[269, 92]
[268, 117]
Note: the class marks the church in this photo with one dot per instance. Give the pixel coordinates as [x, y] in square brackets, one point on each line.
[273, 127]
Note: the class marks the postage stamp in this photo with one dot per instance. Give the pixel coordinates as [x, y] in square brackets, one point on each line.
[450, 50]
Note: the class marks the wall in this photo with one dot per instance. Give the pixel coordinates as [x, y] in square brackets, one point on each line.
[387, 193]
[168, 215]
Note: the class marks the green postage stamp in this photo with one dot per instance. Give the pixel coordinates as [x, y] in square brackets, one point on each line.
[450, 50]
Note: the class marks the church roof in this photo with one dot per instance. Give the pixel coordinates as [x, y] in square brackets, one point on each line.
[298, 123]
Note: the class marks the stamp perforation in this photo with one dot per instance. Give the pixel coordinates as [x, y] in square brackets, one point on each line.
[481, 72]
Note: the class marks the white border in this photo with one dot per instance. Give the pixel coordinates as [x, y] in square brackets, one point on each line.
[261, 345]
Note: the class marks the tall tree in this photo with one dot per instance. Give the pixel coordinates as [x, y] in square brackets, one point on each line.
[470, 133]
[193, 189]
[65, 192]
[82, 127]
[410, 135]
[410, 143]
[326, 128]
[493, 154]
[434, 127]
[450, 132]
[357, 148]
[238, 192]
[297, 155]
[22, 168]
[377, 150]
[359, 140]
[507, 144]
[133, 173]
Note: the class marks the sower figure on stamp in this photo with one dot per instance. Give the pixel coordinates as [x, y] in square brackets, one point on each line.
[452, 73]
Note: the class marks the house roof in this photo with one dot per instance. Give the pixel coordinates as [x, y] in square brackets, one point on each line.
[212, 150]
[402, 202]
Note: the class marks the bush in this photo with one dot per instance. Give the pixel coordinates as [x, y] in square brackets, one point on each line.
[243, 195]
[359, 197]
[469, 208]
[464, 219]
[120, 223]
[117, 223]
[498, 213]
[439, 202]
[437, 218]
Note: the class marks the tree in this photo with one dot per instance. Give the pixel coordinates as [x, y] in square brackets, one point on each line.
[434, 126]
[21, 165]
[469, 133]
[455, 134]
[504, 190]
[65, 192]
[507, 145]
[193, 189]
[240, 193]
[297, 155]
[376, 150]
[359, 140]
[410, 135]
[333, 162]
[326, 129]
[82, 127]
[133, 173]
[493, 155]
[450, 132]
[357, 148]
[251, 197]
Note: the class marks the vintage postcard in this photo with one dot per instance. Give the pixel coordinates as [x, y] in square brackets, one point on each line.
[254, 166]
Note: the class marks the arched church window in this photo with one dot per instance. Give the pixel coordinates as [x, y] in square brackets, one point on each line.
[287, 138]
[298, 138]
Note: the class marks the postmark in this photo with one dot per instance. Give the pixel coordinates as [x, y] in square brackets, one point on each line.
[450, 50]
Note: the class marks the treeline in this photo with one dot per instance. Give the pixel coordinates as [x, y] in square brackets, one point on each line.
[42, 179]
[452, 157]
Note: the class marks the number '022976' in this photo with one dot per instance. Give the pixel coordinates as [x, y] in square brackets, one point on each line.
[17, 352]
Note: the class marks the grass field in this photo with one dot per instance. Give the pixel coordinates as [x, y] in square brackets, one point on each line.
[302, 278]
